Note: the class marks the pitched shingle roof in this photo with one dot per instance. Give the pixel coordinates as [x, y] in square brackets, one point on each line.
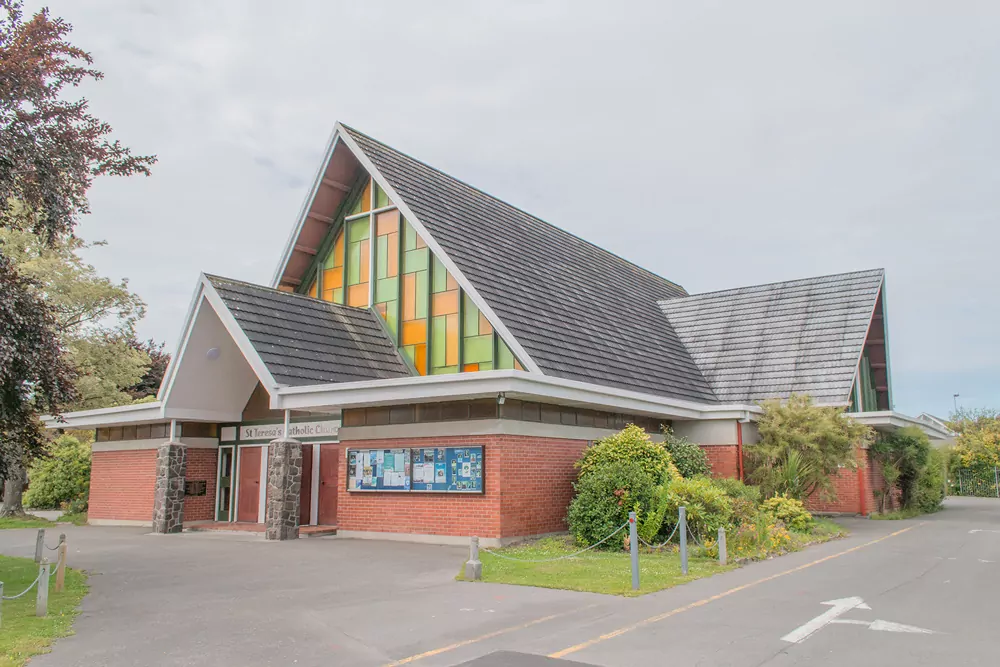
[769, 341]
[306, 341]
[579, 311]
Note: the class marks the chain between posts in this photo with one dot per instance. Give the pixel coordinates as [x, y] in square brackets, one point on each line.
[30, 586]
[549, 560]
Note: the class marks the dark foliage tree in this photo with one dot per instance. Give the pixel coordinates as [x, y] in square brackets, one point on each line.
[51, 149]
[158, 362]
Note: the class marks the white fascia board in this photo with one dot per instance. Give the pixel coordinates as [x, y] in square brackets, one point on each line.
[508, 338]
[239, 337]
[896, 420]
[136, 413]
[286, 254]
[175, 359]
[515, 384]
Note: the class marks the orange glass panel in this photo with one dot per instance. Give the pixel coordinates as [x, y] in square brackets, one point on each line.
[420, 358]
[386, 223]
[381, 308]
[451, 341]
[470, 367]
[445, 303]
[366, 197]
[409, 296]
[518, 366]
[338, 250]
[420, 242]
[484, 325]
[365, 254]
[357, 295]
[333, 278]
[415, 332]
[452, 283]
[392, 266]
[313, 288]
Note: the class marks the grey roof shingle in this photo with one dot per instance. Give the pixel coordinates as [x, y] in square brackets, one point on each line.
[305, 341]
[579, 311]
[769, 341]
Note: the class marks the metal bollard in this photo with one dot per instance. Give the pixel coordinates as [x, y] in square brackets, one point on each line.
[682, 523]
[1, 604]
[61, 567]
[633, 545]
[42, 601]
[473, 566]
[723, 555]
[39, 544]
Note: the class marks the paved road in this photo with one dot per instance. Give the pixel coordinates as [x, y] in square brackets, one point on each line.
[202, 599]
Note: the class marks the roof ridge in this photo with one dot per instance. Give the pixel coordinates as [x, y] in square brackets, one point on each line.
[517, 208]
[773, 283]
[265, 288]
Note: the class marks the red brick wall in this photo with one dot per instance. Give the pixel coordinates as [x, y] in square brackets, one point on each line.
[201, 466]
[848, 484]
[121, 485]
[528, 487]
[723, 459]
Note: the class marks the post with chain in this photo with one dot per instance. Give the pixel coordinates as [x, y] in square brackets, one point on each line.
[473, 566]
[61, 567]
[1, 604]
[633, 546]
[723, 554]
[42, 601]
[39, 545]
[682, 523]
[996, 480]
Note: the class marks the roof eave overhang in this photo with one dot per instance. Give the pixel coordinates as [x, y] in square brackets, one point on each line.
[513, 384]
[138, 413]
[888, 421]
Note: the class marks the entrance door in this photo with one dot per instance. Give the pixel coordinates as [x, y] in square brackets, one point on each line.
[249, 499]
[305, 499]
[223, 509]
[329, 462]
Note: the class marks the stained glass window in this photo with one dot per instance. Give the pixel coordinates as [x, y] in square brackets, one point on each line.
[333, 271]
[358, 251]
[387, 269]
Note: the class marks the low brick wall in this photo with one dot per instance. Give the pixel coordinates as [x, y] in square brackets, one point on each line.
[202, 465]
[122, 484]
[723, 459]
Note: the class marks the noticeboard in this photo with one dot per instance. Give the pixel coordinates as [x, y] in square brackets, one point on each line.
[438, 469]
[378, 470]
[449, 469]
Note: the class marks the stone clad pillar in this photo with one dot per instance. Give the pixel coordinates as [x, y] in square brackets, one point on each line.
[168, 496]
[284, 488]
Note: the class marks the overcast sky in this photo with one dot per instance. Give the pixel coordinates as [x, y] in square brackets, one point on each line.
[718, 145]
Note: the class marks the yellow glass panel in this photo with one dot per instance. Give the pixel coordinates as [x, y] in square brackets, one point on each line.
[357, 295]
[445, 303]
[420, 358]
[414, 333]
[333, 278]
[338, 250]
[392, 268]
[409, 296]
[451, 340]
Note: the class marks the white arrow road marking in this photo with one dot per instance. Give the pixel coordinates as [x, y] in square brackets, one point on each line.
[841, 607]
[838, 608]
[982, 530]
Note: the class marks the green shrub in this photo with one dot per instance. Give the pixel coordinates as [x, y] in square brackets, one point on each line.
[744, 511]
[604, 497]
[759, 537]
[789, 511]
[735, 488]
[690, 459]
[929, 492]
[631, 445]
[708, 508]
[61, 477]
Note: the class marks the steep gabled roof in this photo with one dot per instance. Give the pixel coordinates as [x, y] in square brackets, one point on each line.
[305, 341]
[580, 312]
[769, 341]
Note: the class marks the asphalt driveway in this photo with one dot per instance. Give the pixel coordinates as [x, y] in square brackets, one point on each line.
[916, 592]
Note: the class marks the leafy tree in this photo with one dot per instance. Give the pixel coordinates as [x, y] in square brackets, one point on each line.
[802, 445]
[903, 455]
[690, 459]
[51, 149]
[978, 440]
[62, 477]
[604, 497]
[149, 384]
[630, 445]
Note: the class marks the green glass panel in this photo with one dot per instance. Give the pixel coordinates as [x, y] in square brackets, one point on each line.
[331, 256]
[485, 365]
[410, 352]
[440, 276]
[391, 321]
[409, 237]
[382, 257]
[478, 349]
[505, 358]
[423, 298]
[338, 295]
[357, 206]
[416, 260]
[470, 317]
[444, 370]
[439, 341]
[386, 289]
[381, 198]
[359, 229]
[354, 263]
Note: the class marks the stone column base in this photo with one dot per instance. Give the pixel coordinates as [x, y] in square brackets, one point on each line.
[168, 496]
[284, 488]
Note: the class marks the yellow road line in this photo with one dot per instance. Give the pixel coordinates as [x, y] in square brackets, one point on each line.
[699, 603]
[488, 635]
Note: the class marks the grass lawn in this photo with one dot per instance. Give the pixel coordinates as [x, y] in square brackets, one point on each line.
[78, 519]
[24, 522]
[23, 634]
[610, 572]
[594, 571]
[898, 514]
